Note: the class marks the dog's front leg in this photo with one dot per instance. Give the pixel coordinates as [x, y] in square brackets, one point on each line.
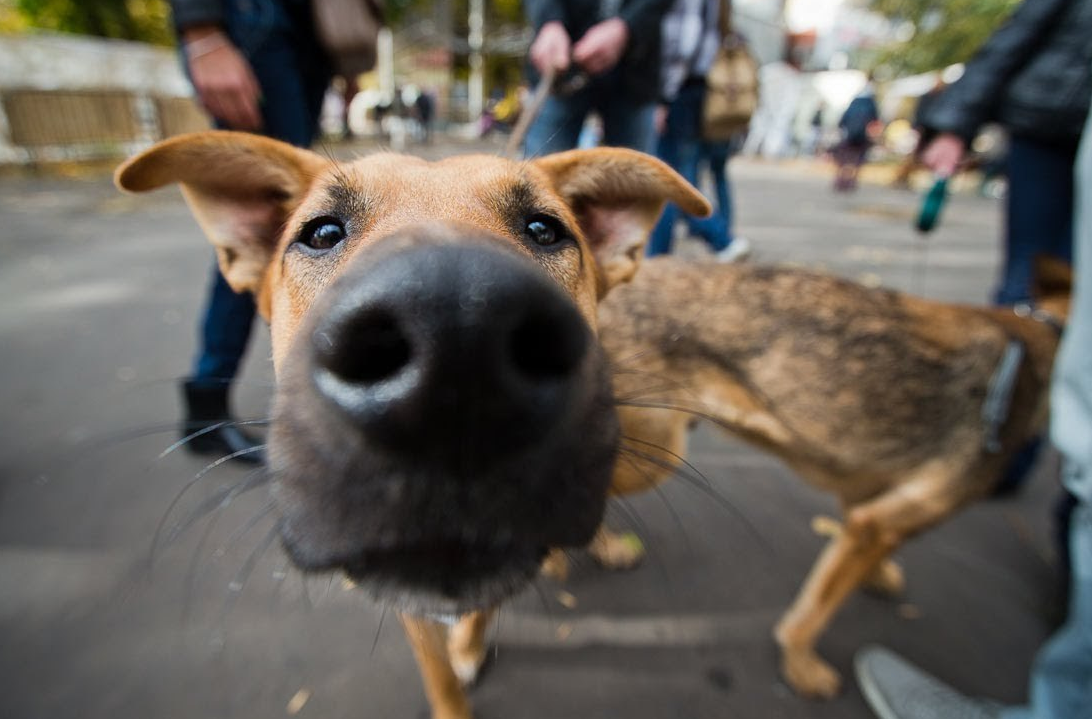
[466, 645]
[428, 639]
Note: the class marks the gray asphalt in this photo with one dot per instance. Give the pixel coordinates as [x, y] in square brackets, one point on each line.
[97, 323]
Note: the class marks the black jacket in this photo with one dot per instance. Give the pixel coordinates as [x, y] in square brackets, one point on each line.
[639, 68]
[1033, 75]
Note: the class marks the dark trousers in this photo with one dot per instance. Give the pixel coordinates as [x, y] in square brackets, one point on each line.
[1039, 214]
[278, 41]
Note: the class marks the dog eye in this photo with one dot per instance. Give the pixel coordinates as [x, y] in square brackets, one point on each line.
[322, 233]
[544, 230]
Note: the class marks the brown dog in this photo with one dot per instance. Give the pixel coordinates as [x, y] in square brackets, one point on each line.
[443, 412]
[873, 395]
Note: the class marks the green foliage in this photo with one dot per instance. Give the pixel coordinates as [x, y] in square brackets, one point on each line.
[944, 32]
[146, 20]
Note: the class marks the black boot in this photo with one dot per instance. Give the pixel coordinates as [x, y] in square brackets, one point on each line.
[207, 405]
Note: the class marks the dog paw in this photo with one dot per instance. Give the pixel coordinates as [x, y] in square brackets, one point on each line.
[617, 551]
[810, 676]
[555, 566]
[887, 579]
[467, 666]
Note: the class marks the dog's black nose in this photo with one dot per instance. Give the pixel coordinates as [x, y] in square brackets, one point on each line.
[451, 352]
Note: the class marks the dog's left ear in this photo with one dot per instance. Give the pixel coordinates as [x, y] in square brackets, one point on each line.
[618, 195]
[241, 188]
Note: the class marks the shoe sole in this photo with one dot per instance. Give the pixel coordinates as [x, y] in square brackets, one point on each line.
[872, 694]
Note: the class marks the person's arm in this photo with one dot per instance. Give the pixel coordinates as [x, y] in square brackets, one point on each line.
[958, 112]
[642, 18]
[602, 46]
[221, 76]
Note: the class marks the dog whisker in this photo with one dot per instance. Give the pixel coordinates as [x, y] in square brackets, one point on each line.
[693, 477]
[255, 478]
[238, 582]
[237, 535]
[266, 509]
[213, 428]
[631, 455]
[623, 506]
[378, 629]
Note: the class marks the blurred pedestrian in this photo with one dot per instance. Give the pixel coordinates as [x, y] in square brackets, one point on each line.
[691, 36]
[1032, 76]
[425, 109]
[814, 146]
[1061, 677]
[258, 67]
[856, 125]
[606, 53]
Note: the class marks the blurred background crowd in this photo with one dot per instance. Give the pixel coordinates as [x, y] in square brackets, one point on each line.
[94, 77]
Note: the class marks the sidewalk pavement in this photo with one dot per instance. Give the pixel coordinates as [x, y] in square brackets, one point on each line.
[101, 295]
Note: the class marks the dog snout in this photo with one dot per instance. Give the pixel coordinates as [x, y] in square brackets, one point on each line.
[450, 349]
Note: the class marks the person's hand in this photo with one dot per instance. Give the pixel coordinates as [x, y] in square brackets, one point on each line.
[602, 46]
[223, 79]
[944, 153]
[551, 48]
[659, 119]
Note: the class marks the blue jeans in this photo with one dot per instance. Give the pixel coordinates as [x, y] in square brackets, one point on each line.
[626, 122]
[716, 155]
[681, 147]
[277, 38]
[1039, 214]
[1061, 679]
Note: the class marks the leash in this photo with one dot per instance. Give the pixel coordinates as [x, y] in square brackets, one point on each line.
[926, 222]
[995, 409]
[534, 107]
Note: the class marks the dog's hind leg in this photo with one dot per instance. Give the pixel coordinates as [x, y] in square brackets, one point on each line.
[466, 645]
[653, 447]
[445, 693]
[887, 579]
[873, 529]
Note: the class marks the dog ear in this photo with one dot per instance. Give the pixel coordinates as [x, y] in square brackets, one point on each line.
[618, 195]
[240, 187]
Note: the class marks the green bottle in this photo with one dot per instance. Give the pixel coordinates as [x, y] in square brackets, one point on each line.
[932, 205]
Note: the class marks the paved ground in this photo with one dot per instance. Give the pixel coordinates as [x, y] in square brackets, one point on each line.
[100, 296]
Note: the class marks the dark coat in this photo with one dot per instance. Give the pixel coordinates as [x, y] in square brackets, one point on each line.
[1033, 75]
[638, 70]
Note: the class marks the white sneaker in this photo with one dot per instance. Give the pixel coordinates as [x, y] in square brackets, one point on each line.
[737, 250]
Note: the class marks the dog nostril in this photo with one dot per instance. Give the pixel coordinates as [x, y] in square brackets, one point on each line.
[545, 347]
[368, 348]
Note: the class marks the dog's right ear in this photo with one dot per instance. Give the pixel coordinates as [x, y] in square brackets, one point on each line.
[240, 187]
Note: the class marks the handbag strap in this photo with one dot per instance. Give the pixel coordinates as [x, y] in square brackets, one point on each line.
[724, 20]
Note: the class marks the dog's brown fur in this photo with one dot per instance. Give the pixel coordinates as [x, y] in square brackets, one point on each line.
[873, 395]
[451, 517]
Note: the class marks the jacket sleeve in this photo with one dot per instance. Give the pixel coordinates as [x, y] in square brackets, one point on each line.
[970, 101]
[642, 17]
[540, 12]
[196, 12]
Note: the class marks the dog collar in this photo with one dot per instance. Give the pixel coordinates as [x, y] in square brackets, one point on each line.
[1027, 309]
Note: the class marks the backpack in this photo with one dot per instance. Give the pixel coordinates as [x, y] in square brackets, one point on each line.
[731, 90]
